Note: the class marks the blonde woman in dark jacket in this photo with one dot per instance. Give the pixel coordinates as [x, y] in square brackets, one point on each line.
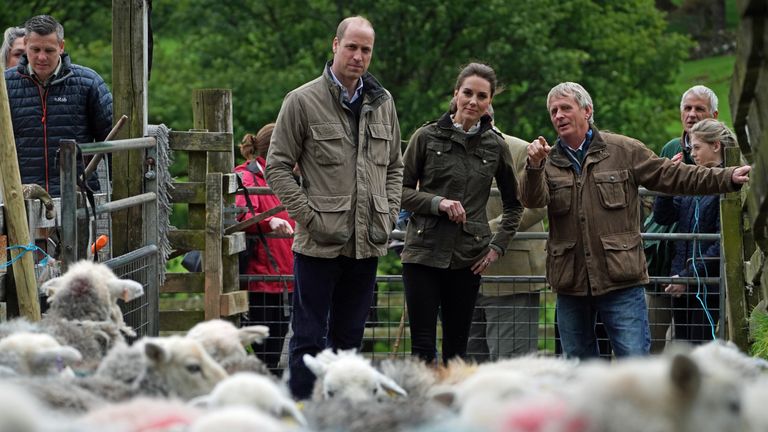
[448, 244]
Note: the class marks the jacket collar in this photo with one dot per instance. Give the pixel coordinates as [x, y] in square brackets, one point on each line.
[64, 69]
[445, 126]
[374, 93]
[597, 151]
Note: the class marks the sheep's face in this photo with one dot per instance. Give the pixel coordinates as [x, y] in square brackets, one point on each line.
[88, 291]
[185, 365]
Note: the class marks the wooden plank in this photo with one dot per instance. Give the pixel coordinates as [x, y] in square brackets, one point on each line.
[212, 110]
[191, 283]
[212, 260]
[233, 303]
[199, 141]
[129, 97]
[188, 192]
[732, 253]
[187, 240]
[229, 184]
[233, 244]
[16, 214]
[256, 219]
[180, 320]
[4, 252]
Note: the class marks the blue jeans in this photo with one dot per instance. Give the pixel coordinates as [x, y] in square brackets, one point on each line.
[624, 314]
[331, 299]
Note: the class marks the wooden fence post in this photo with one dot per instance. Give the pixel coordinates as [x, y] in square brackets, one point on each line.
[16, 214]
[735, 312]
[129, 91]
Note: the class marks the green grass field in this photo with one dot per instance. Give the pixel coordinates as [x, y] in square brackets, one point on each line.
[713, 72]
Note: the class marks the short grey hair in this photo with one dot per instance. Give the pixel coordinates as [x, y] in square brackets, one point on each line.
[702, 92]
[576, 91]
[9, 37]
[45, 25]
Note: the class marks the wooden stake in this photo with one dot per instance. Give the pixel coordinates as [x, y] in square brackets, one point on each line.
[16, 214]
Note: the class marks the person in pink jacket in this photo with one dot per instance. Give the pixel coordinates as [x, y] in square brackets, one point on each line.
[266, 255]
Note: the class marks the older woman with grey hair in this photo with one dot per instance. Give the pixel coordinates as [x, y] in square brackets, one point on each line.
[13, 46]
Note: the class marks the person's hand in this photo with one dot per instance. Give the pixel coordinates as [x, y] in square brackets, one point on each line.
[677, 158]
[741, 174]
[454, 210]
[491, 257]
[675, 289]
[280, 226]
[538, 150]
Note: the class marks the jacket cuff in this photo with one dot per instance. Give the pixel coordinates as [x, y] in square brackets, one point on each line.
[435, 205]
[498, 250]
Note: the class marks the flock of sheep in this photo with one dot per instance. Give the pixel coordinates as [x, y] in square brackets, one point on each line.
[74, 371]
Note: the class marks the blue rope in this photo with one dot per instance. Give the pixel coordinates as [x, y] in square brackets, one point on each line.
[25, 248]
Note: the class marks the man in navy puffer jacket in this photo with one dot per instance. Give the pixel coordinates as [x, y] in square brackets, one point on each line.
[53, 99]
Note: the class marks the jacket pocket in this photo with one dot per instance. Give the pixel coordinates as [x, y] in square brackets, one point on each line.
[329, 144]
[438, 154]
[330, 222]
[612, 187]
[379, 137]
[486, 162]
[624, 256]
[476, 237]
[560, 263]
[381, 224]
[422, 231]
[560, 195]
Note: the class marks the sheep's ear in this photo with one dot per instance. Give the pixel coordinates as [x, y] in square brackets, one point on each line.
[155, 352]
[685, 377]
[445, 395]
[65, 354]
[290, 410]
[125, 289]
[251, 334]
[317, 367]
[50, 287]
[390, 385]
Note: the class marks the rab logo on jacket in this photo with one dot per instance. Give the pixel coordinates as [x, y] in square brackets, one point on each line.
[60, 99]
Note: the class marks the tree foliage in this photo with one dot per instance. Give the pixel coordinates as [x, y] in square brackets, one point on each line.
[620, 51]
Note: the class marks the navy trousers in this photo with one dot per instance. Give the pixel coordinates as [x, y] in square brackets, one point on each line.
[331, 300]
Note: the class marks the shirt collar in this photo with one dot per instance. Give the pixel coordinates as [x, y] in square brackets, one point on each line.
[344, 92]
[460, 126]
[584, 144]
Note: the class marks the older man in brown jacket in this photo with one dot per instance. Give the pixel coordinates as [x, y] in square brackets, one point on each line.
[589, 182]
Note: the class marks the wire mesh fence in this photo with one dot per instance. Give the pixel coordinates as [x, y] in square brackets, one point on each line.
[512, 325]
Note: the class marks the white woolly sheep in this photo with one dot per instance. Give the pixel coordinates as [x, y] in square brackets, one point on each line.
[655, 394]
[39, 354]
[255, 391]
[725, 357]
[21, 412]
[169, 366]
[348, 375]
[237, 419]
[141, 414]
[226, 344]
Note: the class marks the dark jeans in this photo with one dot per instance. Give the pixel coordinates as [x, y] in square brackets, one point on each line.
[331, 299]
[452, 293]
[269, 310]
[624, 313]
